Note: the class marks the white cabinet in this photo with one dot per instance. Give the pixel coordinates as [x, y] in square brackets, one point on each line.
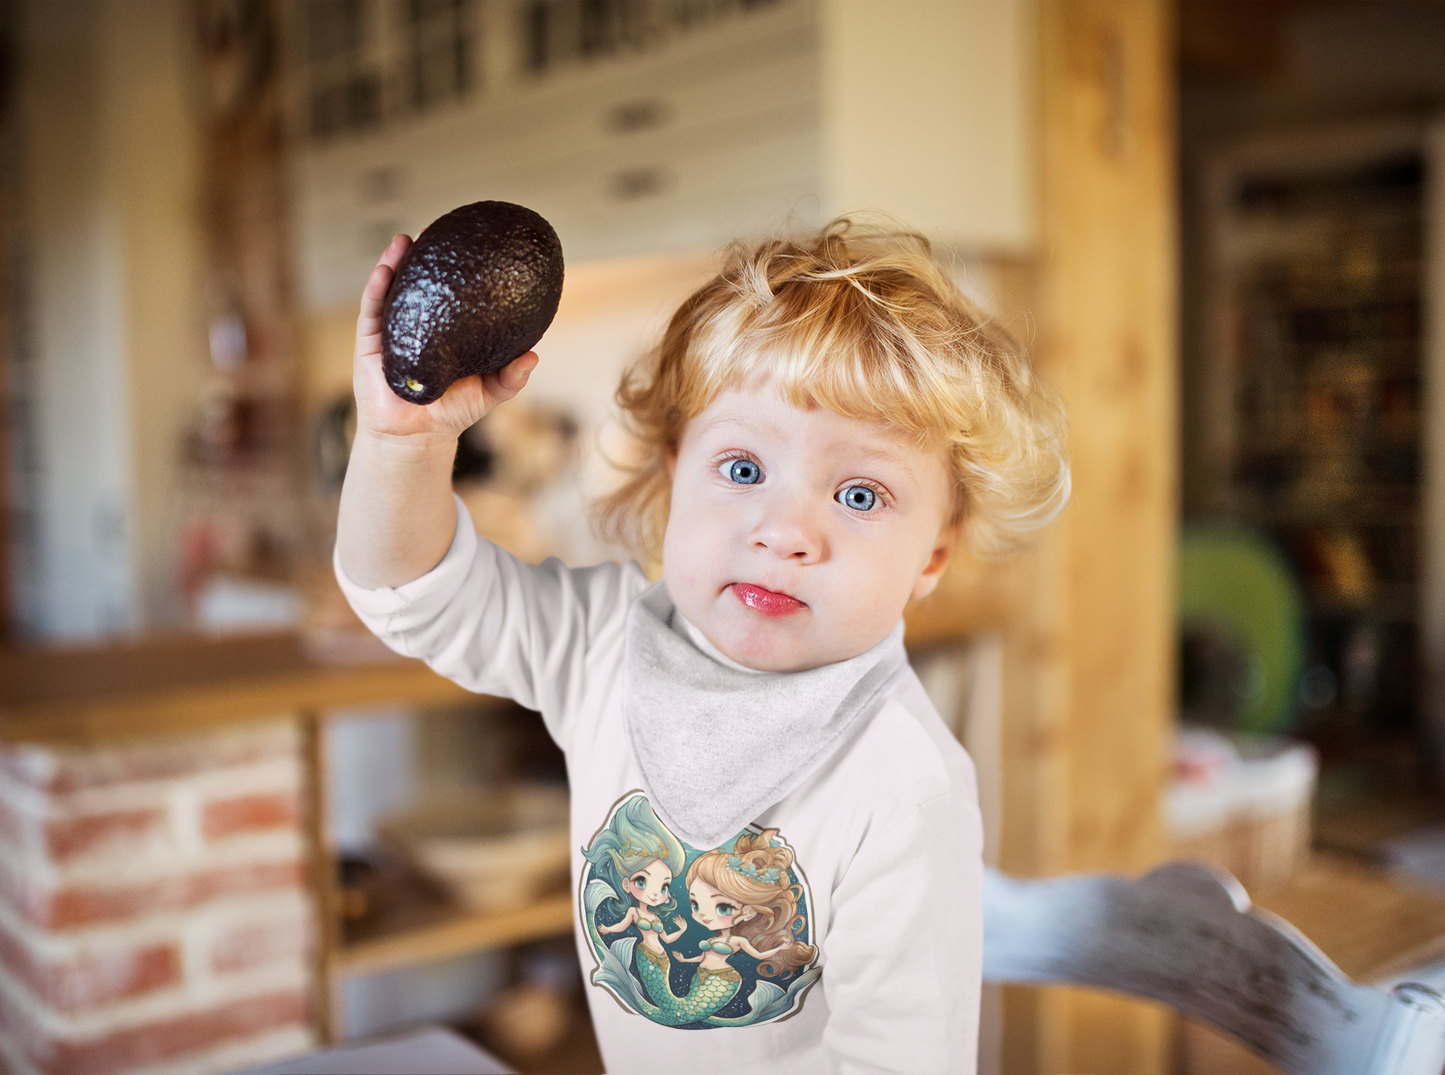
[770, 113]
[712, 135]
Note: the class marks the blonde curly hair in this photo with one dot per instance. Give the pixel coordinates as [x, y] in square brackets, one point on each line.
[862, 320]
[755, 875]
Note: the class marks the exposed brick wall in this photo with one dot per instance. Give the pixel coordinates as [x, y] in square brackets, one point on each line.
[154, 915]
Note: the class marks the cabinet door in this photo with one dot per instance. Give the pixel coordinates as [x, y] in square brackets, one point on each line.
[709, 136]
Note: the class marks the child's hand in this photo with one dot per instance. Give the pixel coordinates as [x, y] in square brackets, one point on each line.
[381, 412]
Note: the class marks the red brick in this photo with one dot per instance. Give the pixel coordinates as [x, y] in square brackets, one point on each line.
[60, 836]
[250, 813]
[167, 1039]
[68, 838]
[89, 980]
[256, 943]
[67, 769]
[78, 905]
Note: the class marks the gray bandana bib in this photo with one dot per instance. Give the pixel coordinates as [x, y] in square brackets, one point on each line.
[717, 744]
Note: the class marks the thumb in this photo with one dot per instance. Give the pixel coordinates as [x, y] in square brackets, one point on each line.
[511, 378]
[516, 373]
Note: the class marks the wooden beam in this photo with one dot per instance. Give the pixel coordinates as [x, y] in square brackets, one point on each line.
[1089, 666]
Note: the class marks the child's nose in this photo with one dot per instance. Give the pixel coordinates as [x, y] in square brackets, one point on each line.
[790, 532]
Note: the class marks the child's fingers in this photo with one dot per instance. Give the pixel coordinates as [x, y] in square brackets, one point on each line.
[374, 293]
[398, 246]
[511, 378]
[515, 373]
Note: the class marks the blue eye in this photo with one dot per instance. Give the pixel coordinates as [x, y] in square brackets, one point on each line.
[745, 472]
[858, 497]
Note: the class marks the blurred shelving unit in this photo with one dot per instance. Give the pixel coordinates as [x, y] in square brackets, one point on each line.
[428, 930]
[1309, 407]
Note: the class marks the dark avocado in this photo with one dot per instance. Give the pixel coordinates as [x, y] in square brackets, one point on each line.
[477, 288]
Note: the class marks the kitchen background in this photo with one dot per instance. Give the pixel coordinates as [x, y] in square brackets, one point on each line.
[1218, 225]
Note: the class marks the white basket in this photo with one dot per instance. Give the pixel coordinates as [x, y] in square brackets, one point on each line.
[490, 848]
[1252, 817]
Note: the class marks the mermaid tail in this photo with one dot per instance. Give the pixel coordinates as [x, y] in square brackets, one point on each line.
[710, 989]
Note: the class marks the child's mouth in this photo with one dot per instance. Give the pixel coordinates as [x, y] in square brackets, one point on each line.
[767, 602]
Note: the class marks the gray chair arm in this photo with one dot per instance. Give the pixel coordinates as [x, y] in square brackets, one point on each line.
[1186, 936]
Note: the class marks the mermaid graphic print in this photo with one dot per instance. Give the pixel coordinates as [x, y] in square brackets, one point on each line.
[740, 955]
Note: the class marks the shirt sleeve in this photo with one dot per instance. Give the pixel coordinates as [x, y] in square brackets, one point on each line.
[905, 946]
[497, 625]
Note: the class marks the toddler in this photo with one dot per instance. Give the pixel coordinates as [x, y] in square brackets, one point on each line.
[778, 862]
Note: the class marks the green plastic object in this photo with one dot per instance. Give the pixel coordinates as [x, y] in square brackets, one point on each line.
[1236, 581]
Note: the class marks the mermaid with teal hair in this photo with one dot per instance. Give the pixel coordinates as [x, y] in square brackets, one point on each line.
[638, 856]
[745, 896]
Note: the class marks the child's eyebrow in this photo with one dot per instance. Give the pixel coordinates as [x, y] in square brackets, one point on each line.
[894, 454]
[743, 422]
[887, 455]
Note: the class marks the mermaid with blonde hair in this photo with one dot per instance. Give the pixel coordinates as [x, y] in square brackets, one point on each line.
[747, 898]
[638, 856]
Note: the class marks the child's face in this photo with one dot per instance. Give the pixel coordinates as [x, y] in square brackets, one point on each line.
[796, 536]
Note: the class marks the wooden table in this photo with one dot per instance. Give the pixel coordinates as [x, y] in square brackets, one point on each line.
[186, 684]
[1372, 924]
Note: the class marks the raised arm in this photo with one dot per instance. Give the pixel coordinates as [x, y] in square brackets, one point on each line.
[668, 938]
[397, 519]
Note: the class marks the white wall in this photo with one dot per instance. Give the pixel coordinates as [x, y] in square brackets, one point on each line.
[928, 113]
[106, 247]
[83, 581]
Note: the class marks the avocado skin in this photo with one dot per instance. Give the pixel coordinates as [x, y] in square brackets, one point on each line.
[478, 288]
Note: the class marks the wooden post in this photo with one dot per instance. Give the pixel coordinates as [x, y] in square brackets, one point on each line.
[322, 861]
[1089, 663]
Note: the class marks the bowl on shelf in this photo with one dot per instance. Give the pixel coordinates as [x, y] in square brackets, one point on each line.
[490, 848]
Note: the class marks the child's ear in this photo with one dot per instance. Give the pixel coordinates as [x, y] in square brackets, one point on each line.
[948, 539]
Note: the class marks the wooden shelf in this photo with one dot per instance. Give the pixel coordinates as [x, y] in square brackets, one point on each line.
[455, 934]
[189, 683]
